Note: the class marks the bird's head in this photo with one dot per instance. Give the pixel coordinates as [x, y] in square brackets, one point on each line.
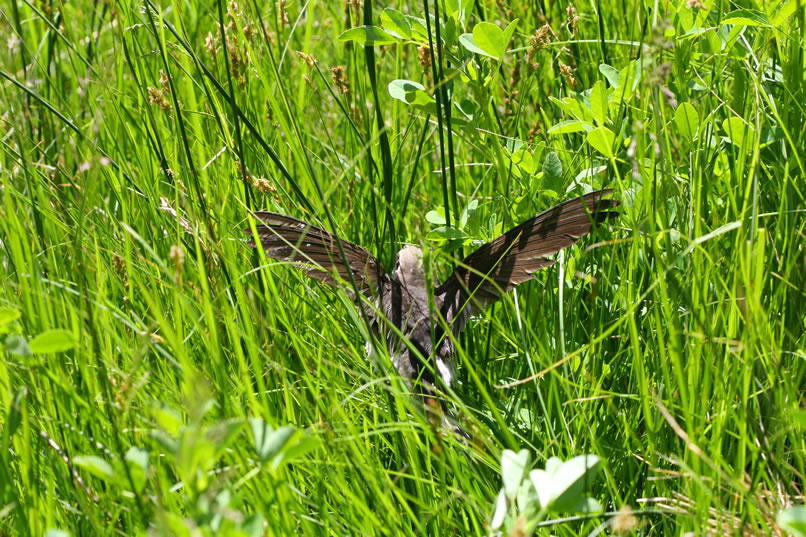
[409, 268]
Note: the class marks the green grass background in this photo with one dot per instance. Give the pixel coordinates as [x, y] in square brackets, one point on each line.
[674, 347]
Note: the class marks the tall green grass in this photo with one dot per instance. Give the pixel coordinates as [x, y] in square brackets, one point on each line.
[136, 140]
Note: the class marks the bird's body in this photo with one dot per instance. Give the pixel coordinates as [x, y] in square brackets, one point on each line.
[408, 308]
[402, 297]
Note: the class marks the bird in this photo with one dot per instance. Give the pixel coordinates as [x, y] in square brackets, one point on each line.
[402, 297]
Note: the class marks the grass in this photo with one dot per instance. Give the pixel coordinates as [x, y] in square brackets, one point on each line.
[158, 377]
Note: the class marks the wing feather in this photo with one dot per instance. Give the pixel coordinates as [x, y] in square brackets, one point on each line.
[514, 257]
[316, 251]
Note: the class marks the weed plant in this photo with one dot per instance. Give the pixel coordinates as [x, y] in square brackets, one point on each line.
[157, 377]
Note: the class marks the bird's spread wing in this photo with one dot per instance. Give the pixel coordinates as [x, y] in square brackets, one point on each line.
[512, 258]
[315, 250]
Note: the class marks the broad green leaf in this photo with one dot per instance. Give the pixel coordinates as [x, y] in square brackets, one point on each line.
[423, 99]
[489, 38]
[450, 7]
[471, 220]
[509, 31]
[137, 459]
[54, 340]
[281, 445]
[571, 481]
[526, 500]
[427, 104]
[419, 32]
[404, 90]
[276, 442]
[523, 207]
[395, 23]
[513, 468]
[167, 418]
[631, 75]
[57, 533]
[687, 120]
[500, 513]
[584, 504]
[610, 73]
[467, 108]
[562, 486]
[367, 35]
[711, 42]
[471, 73]
[195, 457]
[628, 80]
[268, 441]
[467, 41]
[412, 93]
[571, 125]
[18, 346]
[793, 520]
[573, 108]
[695, 85]
[587, 173]
[601, 139]
[470, 211]
[449, 33]
[301, 446]
[514, 144]
[553, 464]
[553, 172]
[444, 233]
[436, 217]
[524, 161]
[695, 31]
[685, 18]
[9, 315]
[96, 466]
[739, 133]
[747, 17]
[599, 103]
[542, 483]
[738, 49]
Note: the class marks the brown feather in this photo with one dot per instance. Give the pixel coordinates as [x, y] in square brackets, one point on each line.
[316, 251]
[402, 299]
[515, 256]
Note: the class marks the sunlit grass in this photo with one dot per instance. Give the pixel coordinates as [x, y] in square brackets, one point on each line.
[135, 144]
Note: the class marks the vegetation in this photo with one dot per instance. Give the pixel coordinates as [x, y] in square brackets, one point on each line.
[158, 378]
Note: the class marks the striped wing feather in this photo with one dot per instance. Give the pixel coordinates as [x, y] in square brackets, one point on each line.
[514, 257]
[315, 250]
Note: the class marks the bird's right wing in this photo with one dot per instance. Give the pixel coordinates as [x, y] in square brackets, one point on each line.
[316, 251]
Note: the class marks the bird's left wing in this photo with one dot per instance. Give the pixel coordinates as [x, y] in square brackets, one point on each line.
[484, 276]
[316, 251]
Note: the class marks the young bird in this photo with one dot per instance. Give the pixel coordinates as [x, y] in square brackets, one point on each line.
[401, 298]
